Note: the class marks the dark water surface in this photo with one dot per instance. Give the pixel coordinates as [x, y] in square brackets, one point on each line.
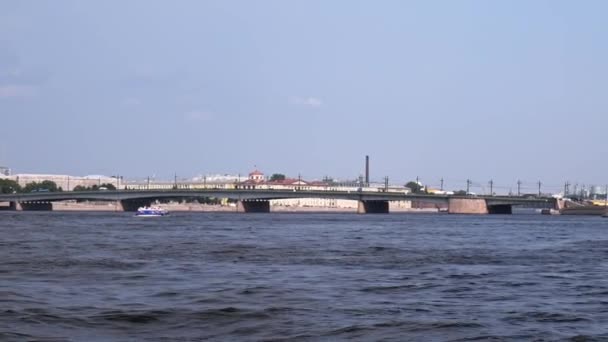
[221, 276]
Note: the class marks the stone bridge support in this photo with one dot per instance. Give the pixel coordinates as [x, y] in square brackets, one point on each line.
[15, 206]
[253, 206]
[467, 206]
[372, 207]
[559, 204]
[477, 206]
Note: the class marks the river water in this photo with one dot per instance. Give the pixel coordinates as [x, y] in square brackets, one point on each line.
[308, 277]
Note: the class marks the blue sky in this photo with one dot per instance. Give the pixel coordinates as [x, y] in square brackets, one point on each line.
[437, 89]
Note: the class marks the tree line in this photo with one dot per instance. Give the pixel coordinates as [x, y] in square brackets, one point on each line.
[104, 186]
[8, 186]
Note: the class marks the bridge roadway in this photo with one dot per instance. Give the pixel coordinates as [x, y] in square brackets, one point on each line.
[254, 200]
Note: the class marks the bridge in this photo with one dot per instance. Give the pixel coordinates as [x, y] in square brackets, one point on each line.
[257, 200]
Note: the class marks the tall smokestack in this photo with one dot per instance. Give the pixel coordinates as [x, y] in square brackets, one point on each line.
[367, 170]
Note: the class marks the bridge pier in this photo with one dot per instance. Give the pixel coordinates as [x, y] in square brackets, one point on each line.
[372, 207]
[15, 206]
[478, 206]
[253, 206]
[559, 204]
[467, 206]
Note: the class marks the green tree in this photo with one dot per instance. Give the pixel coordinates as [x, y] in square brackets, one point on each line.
[460, 193]
[80, 188]
[108, 186]
[50, 185]
[277, 177]
[415, 187]
[44, 185]
[8, 186]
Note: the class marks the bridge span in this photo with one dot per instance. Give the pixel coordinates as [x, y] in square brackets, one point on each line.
[254, 200]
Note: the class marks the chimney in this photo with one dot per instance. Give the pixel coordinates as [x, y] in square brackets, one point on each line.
[366, 170]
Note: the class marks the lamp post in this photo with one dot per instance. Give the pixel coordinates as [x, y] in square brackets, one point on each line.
[518, 188]
[117, 203]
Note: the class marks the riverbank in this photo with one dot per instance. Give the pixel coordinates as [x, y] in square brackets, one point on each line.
[198, 207]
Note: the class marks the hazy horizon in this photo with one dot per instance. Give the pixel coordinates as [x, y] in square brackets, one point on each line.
[431, 89]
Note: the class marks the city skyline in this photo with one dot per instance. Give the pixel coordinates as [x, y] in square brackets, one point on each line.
[437, 90]
[447, 184]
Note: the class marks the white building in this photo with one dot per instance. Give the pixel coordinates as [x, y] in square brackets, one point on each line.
[256, 180]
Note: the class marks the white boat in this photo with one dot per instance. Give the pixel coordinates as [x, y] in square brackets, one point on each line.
[151, 212]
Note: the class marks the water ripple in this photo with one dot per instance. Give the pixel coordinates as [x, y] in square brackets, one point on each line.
[291, 277]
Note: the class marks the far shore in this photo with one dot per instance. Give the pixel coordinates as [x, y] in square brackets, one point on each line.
[197, 207]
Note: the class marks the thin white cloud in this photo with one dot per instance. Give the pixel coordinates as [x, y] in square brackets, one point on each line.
[198, 115]
[12, 90]
[306, 101]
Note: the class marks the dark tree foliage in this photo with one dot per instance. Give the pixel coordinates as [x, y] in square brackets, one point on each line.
[45, 185]
[415, 187]
[108, 186]
[8, 186]
[104, 186]
[277, 177]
